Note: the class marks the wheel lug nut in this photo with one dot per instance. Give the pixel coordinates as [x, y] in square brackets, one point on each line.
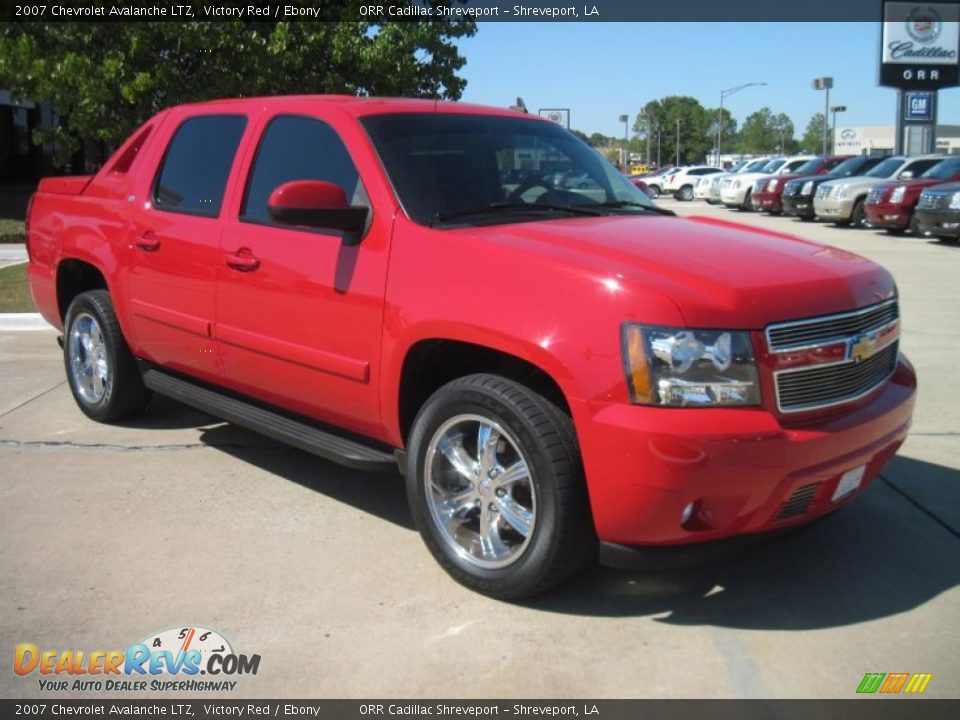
[501, 492]
[493, 507]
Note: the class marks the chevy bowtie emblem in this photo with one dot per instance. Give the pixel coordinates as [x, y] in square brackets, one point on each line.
[862, 347]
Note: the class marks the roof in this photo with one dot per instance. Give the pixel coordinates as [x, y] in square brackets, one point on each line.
[360, 106]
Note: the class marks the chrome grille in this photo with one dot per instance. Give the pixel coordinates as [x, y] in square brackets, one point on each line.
[790, 189]
[823, 192]
[820, 386]
[833, 328]
[799, 503]
[930, 201]
[726, 183]
[875, 195]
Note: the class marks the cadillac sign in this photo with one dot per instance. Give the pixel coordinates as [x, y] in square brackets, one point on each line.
[920, 49]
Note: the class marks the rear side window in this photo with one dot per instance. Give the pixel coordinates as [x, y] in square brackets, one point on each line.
[197, 164]
[298, 148]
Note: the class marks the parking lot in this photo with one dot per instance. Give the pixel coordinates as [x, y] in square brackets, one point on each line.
[112, 533]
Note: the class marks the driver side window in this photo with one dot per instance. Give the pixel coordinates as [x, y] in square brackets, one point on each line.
[298, 148]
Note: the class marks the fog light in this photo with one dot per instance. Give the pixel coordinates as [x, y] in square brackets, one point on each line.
[687, 513]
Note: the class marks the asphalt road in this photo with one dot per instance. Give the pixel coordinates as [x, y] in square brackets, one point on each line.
[108, 534]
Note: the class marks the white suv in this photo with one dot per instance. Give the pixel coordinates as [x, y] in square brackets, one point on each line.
[739, 190]
[681, 184]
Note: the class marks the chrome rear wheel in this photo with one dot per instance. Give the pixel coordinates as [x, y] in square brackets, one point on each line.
[89, 360]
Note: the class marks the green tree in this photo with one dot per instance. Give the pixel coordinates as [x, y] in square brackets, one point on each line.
[729, 138]
[759, 133]
[812, 140]
[783, 127]
[103, 80]
[664, 114]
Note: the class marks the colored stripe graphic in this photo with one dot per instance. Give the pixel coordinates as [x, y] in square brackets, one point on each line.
[871, 682]
[892, 683]
[918, 683]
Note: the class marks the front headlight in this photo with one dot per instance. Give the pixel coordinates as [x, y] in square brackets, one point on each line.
[772, 185]
[807, 188]
[955, 201]
[897, 194]
[841, 192]
[675, 367]
[736, 184]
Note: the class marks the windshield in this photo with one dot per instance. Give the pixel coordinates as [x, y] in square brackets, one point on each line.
[887, 168]
[943, 170]
[484, 168]
[853, 166]
[736, 166]
[773, 165]
[756, 165]
[809, 167]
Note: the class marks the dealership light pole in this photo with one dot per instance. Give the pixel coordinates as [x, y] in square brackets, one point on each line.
[649, 118]
[723, 94]
[833, 133]
[678, 142]
[659, 138]
[824, 83]
[623, 158]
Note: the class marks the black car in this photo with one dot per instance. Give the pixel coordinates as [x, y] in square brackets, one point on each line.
[938, 211]
[797, 197]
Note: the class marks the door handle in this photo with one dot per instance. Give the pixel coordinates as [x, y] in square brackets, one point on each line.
[243, 260]
[148, 242]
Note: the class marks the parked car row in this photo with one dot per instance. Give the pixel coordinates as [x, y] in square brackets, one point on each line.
[897, 193]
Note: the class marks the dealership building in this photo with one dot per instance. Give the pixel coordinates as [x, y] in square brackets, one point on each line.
[879, 139]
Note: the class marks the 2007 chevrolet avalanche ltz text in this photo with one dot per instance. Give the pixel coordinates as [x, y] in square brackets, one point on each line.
[561, 370]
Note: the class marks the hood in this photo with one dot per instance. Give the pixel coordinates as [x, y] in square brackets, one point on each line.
[719, 274]
[914, 183]
[859, 181]
[945, 188]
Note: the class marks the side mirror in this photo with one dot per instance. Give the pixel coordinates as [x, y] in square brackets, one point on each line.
[906, 174]
[318, 204]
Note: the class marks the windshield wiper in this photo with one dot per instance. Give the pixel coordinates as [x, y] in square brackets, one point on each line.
[630, 204]
[512, 207]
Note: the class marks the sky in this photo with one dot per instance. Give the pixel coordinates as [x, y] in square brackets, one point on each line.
[603, 70]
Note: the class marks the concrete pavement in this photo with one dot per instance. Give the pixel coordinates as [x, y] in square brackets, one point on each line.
[12, 254]
[108, 534]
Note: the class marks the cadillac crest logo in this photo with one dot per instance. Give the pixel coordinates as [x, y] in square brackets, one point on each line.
[923, 24]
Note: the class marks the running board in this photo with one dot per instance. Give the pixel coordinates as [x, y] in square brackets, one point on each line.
[298, 434]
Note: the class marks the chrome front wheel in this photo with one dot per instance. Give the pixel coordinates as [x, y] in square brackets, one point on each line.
[480, 491]
[88, 358]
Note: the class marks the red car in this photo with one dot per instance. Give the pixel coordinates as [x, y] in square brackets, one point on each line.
[560, 373]
[767, 192]
[892, 205]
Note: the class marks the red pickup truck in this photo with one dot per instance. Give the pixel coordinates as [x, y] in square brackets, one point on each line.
[560, 373]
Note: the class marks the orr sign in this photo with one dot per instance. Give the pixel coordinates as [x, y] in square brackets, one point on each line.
[920, 48]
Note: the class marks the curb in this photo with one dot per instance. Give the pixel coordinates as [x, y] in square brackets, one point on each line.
[23, 322]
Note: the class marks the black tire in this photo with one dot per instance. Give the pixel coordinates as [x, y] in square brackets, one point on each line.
[747, 200]
[654, 191]
[124, 395]
[858, 216]
[562, 540]
[685, 193]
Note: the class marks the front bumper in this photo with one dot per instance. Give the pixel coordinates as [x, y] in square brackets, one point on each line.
[887, 215]
[798, 206]
[941, 223]
[740, 467]
[833, 209]
[767, 201]
[733, 197]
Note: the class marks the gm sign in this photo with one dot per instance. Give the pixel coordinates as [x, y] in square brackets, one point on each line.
[918, 107]
[920, 49]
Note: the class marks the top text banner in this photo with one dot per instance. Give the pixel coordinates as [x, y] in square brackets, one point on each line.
[451, 10]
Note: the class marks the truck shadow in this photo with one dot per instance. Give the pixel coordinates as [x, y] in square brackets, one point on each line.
[379, 494]
[879, 557]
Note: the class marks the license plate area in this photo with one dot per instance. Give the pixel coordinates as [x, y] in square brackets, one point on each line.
[849, 483]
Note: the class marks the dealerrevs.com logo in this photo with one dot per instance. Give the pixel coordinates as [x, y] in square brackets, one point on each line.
[170, 660]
